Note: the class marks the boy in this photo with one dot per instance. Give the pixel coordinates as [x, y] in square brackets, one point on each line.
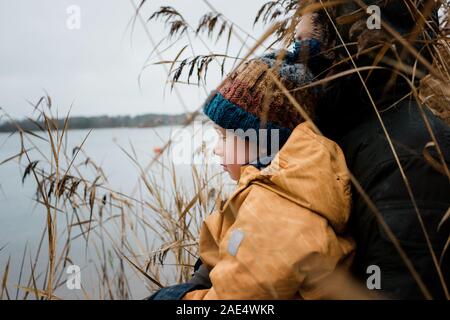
[283, 229]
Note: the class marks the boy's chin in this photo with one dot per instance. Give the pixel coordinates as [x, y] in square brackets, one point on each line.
[231, 174]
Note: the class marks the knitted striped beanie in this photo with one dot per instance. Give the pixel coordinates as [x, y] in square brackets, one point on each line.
[239, 101]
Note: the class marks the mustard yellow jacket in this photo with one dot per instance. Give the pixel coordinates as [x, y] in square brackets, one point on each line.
[283, 230]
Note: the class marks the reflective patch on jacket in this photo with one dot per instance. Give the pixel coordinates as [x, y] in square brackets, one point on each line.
[235, 240]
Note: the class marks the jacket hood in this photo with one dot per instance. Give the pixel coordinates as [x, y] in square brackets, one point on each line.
[309, 170]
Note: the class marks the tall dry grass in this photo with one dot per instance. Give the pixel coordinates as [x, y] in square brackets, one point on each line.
[123, 234]
[90, 209]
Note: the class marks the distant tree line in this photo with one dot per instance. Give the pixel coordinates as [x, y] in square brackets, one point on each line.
[140, 121]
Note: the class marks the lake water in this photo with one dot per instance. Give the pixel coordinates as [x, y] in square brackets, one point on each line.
[22, 220]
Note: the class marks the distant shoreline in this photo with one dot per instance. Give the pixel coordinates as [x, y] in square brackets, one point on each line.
[150, 120]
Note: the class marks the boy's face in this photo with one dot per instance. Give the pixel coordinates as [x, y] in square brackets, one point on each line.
[233, 151]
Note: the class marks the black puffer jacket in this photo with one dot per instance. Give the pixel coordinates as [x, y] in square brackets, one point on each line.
[345, 114]
[347, 117]
[371, 160]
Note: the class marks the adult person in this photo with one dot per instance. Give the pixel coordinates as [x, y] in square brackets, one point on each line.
[358, 111]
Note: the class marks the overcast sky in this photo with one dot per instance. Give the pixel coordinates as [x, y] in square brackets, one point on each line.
[97, 66]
